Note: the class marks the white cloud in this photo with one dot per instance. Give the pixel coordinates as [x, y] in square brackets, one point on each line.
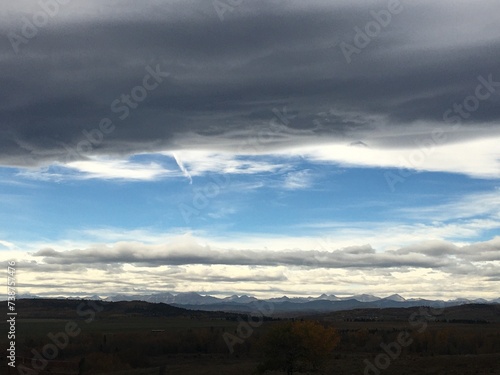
[298, 180]
[482, 158]
[200, 162]
[184, 263]
[472, 205]
[101, 168]
[482, 161]
[120, 170]
[7, 245]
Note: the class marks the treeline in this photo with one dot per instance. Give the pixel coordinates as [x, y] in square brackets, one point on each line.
[123, 351]
[463, 321]
[433, 341]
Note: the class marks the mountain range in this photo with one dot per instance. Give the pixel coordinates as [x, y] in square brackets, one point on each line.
[249, 304]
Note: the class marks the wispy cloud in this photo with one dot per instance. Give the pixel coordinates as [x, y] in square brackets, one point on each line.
[473, 205]
[183, 169]
[101, 168]
[202, 162]
[298, 180]
[7, 245]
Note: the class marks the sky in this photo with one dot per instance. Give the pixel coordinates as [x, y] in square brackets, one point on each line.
[269, 148]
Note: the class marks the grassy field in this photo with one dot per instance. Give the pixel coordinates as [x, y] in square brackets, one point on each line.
[39, 327]
[343, 361]
[128, 343]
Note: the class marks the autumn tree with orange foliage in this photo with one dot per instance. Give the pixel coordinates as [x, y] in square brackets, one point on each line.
[297, 346]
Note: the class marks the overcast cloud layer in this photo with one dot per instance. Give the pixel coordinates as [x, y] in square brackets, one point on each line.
[226, 76]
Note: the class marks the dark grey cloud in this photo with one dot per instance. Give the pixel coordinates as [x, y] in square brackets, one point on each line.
[226, 77]
[424, 255]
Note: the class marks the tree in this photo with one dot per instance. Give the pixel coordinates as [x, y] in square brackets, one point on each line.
[297, 346]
